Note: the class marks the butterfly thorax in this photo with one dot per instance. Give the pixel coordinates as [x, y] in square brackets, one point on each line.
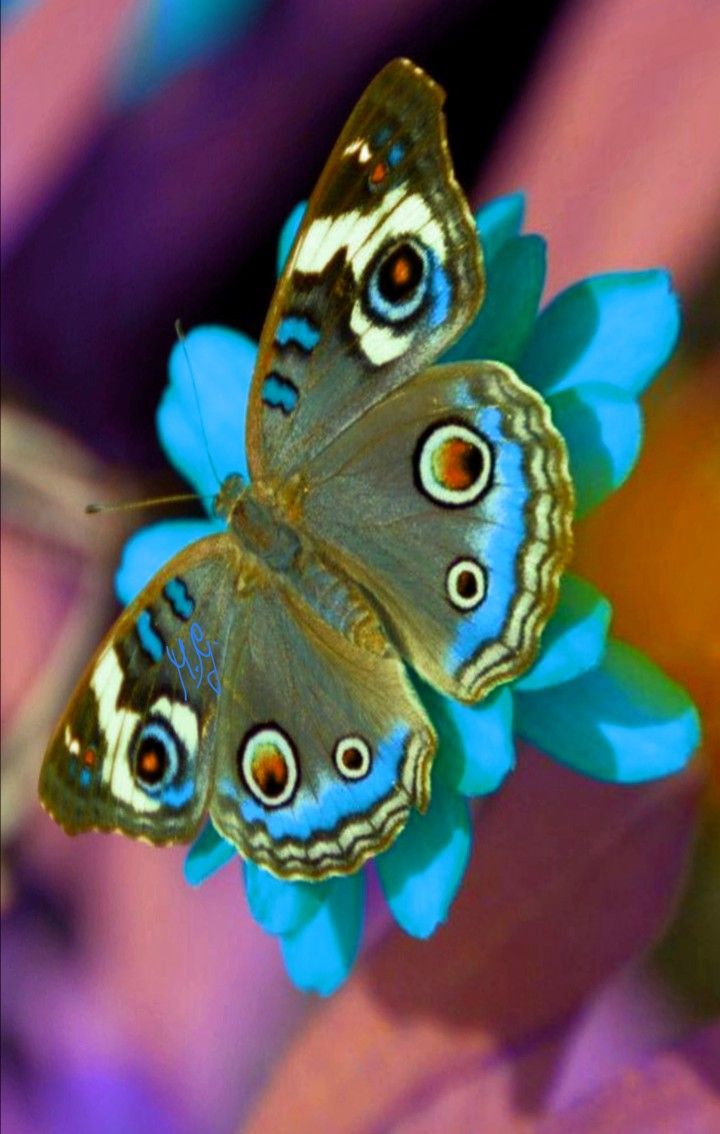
[257, 515]
[265, 517]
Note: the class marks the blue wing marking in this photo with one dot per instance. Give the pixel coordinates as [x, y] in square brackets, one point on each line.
[337, 800]
[497, 541]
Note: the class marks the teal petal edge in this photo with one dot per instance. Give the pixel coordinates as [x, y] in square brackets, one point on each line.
[618, 329]
[499, 220]
[573, 640]
[603, 430]
[624, 722]
[515, 279]
[201, 416]
[320, 955]
[421, 872]
[476, 750]
[208, 854]
[281, 906]
[150, 548]
[288, 232]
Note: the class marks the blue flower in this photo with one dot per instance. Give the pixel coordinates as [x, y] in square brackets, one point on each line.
[593, 703]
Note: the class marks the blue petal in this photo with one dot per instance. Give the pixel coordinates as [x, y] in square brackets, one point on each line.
[150, 548]
[320, 955]
[515, 278]
[421, 872]
[208, 854]
[497, 221]
[624, 721]
[475, 743]
[573, 640]
[280, 906]
[196, 438]
[618, 329]
[603, 430]
[288, 233]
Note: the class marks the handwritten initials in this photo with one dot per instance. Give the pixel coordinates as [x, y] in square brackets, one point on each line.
[203, 653]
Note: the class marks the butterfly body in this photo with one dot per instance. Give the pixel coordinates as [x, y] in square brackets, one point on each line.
[398, 514]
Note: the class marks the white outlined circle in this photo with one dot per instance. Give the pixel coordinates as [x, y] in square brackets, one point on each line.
[453, 464]
[352, 757]
[269, 765]
[466, 584]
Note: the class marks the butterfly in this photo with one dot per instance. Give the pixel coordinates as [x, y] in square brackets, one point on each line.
[399, 515]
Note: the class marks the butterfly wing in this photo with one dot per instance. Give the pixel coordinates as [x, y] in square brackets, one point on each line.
[385, 272]
[451, 503]
[323, 746]
[133, 752]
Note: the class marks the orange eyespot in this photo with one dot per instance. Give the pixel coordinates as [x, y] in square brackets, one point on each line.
[401, 271]
[89, 757]
[456, 464]
[149, 765]
[453, 464]
[379, 173]
[269, 770]
[268, 764]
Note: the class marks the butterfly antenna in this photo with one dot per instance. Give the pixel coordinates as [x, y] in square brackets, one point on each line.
[94, 509]
[179, 331]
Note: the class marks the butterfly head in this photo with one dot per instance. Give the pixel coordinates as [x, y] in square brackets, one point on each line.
[231, 491]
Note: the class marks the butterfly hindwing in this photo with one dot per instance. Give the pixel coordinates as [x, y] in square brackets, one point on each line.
[385, 272]
[133, 751]
[451, 503]
[323, 746]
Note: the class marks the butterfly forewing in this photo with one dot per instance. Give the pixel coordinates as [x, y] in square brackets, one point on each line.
[385, 272]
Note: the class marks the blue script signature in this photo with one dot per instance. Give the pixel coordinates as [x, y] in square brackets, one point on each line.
[203, 653]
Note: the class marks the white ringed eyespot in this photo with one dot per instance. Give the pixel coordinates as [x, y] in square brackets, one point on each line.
[352, 757]
[268, 764]
[453, 464]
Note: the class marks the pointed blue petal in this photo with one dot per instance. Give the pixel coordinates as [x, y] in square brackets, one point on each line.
[603, 430]
[475, 742]
[208, 854]
[618, 328]
[421, 872]
[497, 221]
[515, 278]
[573, 640]
[288, 233]
[624, 721]
[281, 906]
[196, 438]
[320, 955]
[150, 548]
